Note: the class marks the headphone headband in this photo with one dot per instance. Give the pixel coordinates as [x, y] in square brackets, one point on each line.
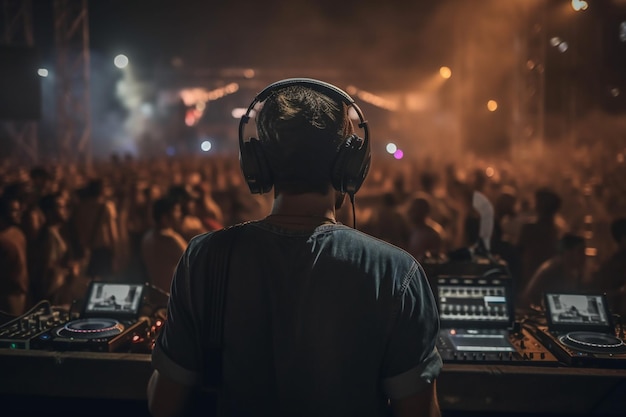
[352, 161]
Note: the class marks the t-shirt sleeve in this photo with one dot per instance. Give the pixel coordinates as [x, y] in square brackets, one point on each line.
[412, 362]
[177, 352]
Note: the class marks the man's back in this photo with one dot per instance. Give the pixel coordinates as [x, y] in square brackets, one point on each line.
[315, 324]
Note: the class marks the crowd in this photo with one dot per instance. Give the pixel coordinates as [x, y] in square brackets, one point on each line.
[558, 223]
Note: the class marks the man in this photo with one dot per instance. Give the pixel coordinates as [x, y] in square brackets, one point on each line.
[320, 319]
[55, 275]
[561, 273]
[611, 275]
[14, 280]
[162, 246]
[426, 234]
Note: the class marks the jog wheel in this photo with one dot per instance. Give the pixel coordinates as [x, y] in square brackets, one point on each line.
[593, 342]
[91, 328]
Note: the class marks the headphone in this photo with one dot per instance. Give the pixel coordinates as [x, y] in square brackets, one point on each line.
[351, 163]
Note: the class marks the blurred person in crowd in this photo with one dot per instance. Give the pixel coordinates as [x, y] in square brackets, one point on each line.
[14, 279]
[563, 272]
[190, 225]
[539, 240]
[388, 223]
[440, 211]
[506, 231]
[474, 224]
[55, 274]
[297, 283]
[610, 278]
[32, 217]
[426, 234]
[507, 223]
[162, 246]
[209, 211]
[94, 223]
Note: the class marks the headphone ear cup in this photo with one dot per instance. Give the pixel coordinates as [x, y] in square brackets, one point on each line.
[255, 168]
[351, 165]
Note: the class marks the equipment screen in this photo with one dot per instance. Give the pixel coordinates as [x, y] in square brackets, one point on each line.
[577, 310]
[461, 303]
[113, 299]
[479, 341]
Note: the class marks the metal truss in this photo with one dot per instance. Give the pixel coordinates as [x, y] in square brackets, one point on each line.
[71, 28]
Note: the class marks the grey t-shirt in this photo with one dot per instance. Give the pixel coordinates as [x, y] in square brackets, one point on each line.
[325, 323]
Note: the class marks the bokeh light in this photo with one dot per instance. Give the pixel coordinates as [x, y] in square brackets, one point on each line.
[121, 61]
[579, 5]
[206, 146]
[391, 148]
[492, 105]
[42, 72]
[398, 154]
[445, 72]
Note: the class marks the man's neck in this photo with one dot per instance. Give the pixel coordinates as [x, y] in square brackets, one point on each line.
[307, 209]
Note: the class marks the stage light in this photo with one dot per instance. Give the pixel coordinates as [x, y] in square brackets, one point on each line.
[579, 5]
[205, 146]
[445, 72]
[42, 72]
[398, 154]
[391, 148]
[492, 105]
[121, 61]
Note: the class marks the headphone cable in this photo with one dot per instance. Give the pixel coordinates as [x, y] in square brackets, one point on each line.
[353, 210]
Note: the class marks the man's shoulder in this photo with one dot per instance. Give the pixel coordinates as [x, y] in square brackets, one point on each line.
[206, 240]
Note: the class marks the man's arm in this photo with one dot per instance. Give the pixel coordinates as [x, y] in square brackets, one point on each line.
[423, 403]
[166, 397]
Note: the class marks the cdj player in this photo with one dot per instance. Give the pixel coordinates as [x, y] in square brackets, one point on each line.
[477, 321]
[108, 322]
[580, 331]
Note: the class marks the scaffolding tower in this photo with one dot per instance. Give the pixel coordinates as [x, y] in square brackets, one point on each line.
[528, 123]
[71, 29]
[18, 31]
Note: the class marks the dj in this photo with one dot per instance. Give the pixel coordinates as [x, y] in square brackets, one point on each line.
[319, 318]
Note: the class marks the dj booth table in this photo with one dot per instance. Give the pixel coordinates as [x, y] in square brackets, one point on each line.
[104, 384]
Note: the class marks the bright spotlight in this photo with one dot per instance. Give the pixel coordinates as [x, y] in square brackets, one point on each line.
[579, 5]
[121, 61]
[391, 148]
[445, 72]
[42, 72]
[238, 112]
[492, 105]
[205, 146]
[398, 154]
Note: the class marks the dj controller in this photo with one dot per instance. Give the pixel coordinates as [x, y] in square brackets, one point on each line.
[476, 310]
[478, 323]
[109, 322]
